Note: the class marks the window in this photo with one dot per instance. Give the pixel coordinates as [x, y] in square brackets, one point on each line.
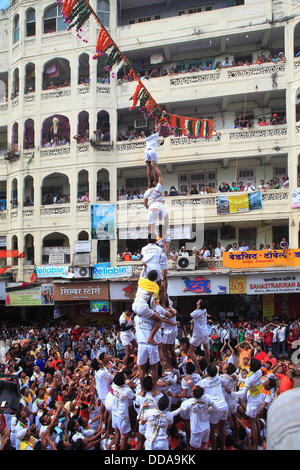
[16, 29]
[53, 20]
[247, 175]
[143, 19]
[199, 180]
[103, 12]
[30, 22]
[190, 11]
[278, 172]
[134, 184]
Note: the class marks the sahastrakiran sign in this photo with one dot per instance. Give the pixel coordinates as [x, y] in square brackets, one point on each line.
[104, 272]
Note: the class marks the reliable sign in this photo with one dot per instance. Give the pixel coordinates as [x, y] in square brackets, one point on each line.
[53, 271]
[103, 272]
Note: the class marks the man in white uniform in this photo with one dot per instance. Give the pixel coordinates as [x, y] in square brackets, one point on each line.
[213, 387]
[200, 331]
[151, 256]
[150, 154]
[153, 201]
[197, 409]
[157, 421]
[127, 336]
[122, 396]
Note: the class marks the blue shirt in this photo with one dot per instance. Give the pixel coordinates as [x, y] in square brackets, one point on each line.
[41, 363]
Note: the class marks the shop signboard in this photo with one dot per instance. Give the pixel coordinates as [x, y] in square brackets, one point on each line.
[273, 284]
[81, 291]
[260, 259]
[41, 295]
[103, 272]
[198, 285]
[53, 271]
[237, 285]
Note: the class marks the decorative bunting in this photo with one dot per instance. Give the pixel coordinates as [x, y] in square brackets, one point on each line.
[76, 13]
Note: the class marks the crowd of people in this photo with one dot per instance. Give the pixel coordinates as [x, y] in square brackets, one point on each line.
[205, 66]
[208, 251]
[55, 141]
[59, 198]
[249, 186]
[80, 387]
[242, 122]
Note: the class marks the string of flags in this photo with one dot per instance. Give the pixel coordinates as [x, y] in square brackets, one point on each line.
[76, 13]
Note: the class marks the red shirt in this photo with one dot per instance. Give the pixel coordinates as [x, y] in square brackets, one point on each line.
[273, 361]
[262, 357]
[268, 339]
[285, 382]
[76, 333]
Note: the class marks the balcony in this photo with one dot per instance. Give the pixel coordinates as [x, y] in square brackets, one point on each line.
[185, 28]
[3, 217]
[181, 149]
[55, 209]
[200, 208]
[55, 152]
[198, 85]
[55, 94]
[29, 99]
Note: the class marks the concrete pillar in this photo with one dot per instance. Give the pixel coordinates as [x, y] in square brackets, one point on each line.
[294, 231]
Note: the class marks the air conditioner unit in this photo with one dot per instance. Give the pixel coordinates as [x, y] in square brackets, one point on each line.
[186, 262]
[82, 273]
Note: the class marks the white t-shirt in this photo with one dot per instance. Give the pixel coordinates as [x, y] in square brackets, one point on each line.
[198, 410]
[157, 421]
[151, 255]
[123, 321]
[103, 379]
[213, 388]
[194, 377]
[143, 328]
[154, 194]
[122, 397]
[151, 142]
[200, 322]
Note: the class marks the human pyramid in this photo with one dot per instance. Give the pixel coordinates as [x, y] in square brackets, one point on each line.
[203, 398]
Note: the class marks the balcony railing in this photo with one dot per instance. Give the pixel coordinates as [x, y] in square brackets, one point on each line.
[83, 208]
[52, 152]
[28, 212]
[184, 79]
[55, 94]
[102, 90]
[222, 137]
[83, 89]
[200, 200]
[55, 209]
[3, 216]
[3, 107]
[30, 98]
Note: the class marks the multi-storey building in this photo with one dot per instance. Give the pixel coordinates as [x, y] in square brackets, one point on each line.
[52, 90]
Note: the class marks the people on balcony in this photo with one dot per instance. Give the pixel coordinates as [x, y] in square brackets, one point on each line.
[201, 65]
[83, 197]
[49, 199]
[28, 202]
[56, 141]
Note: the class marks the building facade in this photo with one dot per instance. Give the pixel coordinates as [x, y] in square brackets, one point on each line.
[52, 90]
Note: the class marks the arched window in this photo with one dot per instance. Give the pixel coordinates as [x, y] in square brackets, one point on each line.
[83, 127]
[29, 250]
[16, 29]
[30, 23]
[103, 12]
[53, 20]
[29, 78]
[56, 74]
[28, 134]
[84, 69]
[55, 189]
[103, 185]
[15, 86]
[53, 243]
[55, 131]
[103, 127]
[83, 235]
[28, 191]
[15, 136]
[14, 246]
[83, 186]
